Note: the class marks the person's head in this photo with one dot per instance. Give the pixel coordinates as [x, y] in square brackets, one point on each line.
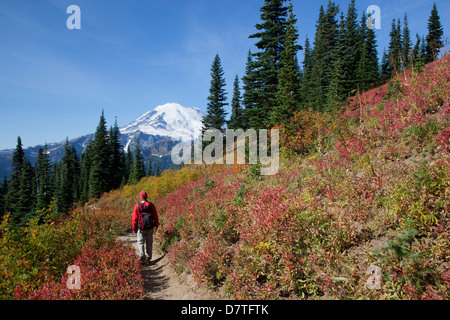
[143, 195]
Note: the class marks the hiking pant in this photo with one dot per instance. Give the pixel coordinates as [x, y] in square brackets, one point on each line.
[145, 243]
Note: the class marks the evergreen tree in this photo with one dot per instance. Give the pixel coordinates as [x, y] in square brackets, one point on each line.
[324, 55]
[267, 62]
[306, 85]
[128, 164]
[395, 48]
[116, 170]
[250, 92]
[86, 163]
[150, 168]
[99, 172]
[288, 91]
[434, 37]
[3, 192]
[367, 71]
[337, 89]
[44, 176]
[215, 112]
[385, 71]
[158, 168]
[69, 172]
[419, 52]
[236, 118]
[406, 44]
[18, 160]
[26, 200]
[137, 170]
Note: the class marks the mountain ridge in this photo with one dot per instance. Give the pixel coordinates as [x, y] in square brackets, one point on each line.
[156, 129]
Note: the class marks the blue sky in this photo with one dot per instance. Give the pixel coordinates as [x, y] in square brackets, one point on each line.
[132, 55]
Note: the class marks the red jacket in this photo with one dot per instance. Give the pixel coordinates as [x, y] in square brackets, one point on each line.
[135, 216]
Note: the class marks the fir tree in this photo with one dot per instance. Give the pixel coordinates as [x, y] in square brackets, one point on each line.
[137, 170]
[385, 68]
[215, 112]
[406, 44]
[288, 91]
[395, 48]
[116, 167]
[325, 44]
[419, 53]
[236, 118]
[69, 172]
[267, 62]
[158, 168]
[44, 176]
[3, 192]
[306, 85]
[150, 168]
[434, 37]
[337, 89]
[128, 164]
[26, 201]
[18, 160]
[86, 163]
[367, 72]
[250, 92]
[99, 174]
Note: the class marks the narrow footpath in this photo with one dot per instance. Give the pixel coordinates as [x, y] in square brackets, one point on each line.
[162, 283]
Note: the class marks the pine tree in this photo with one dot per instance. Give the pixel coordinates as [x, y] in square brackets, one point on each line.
[250, 92]
[434, 37]
[236, 118]
[337, 89]
[116, 168]
[26, 201]
[150, 168]
[128, 164]
[44, 176]
[267, 62]
[158, 168]
[367, 71]
[68, 193]
[137, 170]
[325, 44]
[406, 44]
[215, 112]
[288, 90]
[99, 173]
[395, 48]
[385, 68]
[419, 53]
[86, 163]
[3, 192]
[306, 85]
[18, 160]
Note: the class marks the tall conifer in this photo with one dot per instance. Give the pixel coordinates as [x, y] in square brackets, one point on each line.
[435, 34]
[288, 90]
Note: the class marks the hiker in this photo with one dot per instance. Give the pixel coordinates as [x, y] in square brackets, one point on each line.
[145, 223]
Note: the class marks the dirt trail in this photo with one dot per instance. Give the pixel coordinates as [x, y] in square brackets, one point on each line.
[162, 283]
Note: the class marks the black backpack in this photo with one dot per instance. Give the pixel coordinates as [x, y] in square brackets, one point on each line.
[146, 219]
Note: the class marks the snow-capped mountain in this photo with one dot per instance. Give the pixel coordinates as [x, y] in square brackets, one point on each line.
[168, 120]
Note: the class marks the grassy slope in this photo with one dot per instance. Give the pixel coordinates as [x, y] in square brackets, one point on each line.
[368, 186]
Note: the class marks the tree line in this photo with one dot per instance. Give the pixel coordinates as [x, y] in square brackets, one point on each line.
[103, 166]
[341, 61]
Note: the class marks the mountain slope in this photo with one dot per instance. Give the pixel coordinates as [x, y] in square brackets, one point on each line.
[360, 211]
